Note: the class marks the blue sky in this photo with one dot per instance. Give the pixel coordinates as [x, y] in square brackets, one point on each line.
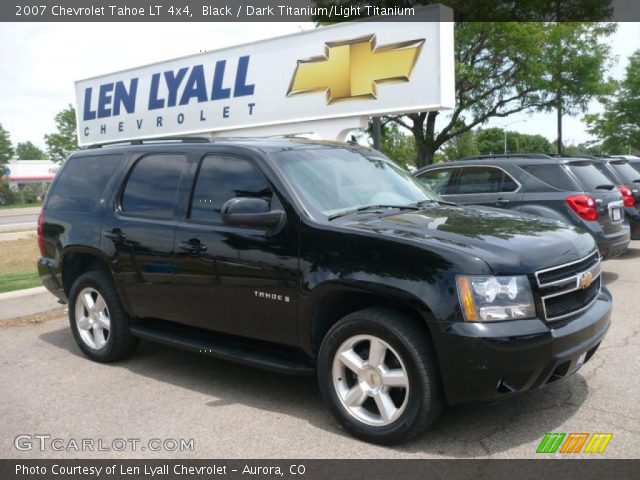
[40, 63]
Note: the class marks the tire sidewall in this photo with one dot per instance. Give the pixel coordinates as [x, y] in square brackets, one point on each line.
[96, 281]
[383, 434]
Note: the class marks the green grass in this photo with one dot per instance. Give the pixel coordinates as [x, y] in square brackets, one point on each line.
[19, 281]
[20, 205]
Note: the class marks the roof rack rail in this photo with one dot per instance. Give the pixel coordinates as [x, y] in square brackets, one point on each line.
[507, 155]
[589, 156]
[153, 140]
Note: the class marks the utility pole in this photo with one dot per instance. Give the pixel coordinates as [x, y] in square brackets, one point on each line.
[377, 133]
[559, 145]
[504, 131]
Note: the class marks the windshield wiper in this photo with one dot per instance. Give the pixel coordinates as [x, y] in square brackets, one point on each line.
[371, 207]
[423, 203]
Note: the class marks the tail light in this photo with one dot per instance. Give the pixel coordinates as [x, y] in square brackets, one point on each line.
[584, 206]
[41, 232]
[627, 196]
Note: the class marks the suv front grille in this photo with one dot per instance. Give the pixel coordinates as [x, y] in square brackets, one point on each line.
[569, 289]
[571, 303]
[553, 275]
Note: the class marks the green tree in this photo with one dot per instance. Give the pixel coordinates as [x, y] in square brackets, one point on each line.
[491, 140]
[61, 143]
[7, 195]
[460, 146]
[397, 145]
[28, 151]
[526, 143]
[6, 150]
[619, 126]
[504, 67]
[575, 61]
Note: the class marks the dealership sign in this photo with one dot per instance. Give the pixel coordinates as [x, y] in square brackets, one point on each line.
[343, 71]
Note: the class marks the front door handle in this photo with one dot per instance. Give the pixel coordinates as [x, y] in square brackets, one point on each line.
[193, 247]
[116, 235]
[502, 200]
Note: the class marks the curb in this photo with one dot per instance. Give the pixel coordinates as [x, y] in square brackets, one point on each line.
[31, 301]
[22, 293]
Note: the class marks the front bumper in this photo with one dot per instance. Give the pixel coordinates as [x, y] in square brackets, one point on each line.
[488, 361]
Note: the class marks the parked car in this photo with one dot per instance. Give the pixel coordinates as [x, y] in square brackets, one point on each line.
[566, 189]
[633, 160]
[302, 257]
[627, 180]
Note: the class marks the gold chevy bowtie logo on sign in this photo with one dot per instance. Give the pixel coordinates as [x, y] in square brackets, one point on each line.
[351, 69]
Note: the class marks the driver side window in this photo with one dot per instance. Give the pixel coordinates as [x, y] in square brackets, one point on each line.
[221, 178]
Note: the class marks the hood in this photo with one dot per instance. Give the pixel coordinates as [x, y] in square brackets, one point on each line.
[509, 243]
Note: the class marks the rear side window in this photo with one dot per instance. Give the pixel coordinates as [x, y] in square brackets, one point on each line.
[82, 182]
[604, 169]
[221, 178]
[485, 180]
[626, 172]
[152, 186]
[553, 175]
[590, 177]
[438, 180]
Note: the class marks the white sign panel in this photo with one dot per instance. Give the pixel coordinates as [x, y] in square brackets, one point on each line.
[346, 70]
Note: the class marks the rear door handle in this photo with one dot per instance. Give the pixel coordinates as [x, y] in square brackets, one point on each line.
[503, 200]
[116, 235]
[193, 247]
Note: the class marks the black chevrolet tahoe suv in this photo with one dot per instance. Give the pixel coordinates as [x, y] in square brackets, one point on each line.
[303, 257]
[570, 190]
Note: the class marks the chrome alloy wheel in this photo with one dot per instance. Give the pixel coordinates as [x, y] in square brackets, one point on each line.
[370, 380]
[92, 318]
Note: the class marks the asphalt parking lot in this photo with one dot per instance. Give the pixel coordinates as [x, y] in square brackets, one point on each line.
[232, 411]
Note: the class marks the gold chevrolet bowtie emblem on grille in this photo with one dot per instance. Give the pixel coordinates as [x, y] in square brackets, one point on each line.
[586, 279]
[353, 68]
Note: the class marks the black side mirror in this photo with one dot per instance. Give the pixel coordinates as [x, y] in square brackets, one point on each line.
[250, 212]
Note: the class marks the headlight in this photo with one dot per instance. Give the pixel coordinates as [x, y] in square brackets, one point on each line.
[489, 299]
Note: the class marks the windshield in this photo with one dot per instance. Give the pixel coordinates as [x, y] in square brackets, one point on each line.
[335, 180]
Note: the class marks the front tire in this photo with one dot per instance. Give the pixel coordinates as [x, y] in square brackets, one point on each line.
[379, 377]
[99, 324]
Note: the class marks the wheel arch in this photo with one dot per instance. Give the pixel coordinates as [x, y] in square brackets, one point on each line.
[77, 260]
[332, 301]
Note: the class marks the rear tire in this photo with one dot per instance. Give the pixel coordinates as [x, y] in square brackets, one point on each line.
[379, 377]
[99, 324]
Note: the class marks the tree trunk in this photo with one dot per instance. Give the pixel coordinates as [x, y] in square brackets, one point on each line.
[424, 137]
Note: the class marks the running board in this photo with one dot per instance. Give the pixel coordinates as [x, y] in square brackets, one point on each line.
[221, 347]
